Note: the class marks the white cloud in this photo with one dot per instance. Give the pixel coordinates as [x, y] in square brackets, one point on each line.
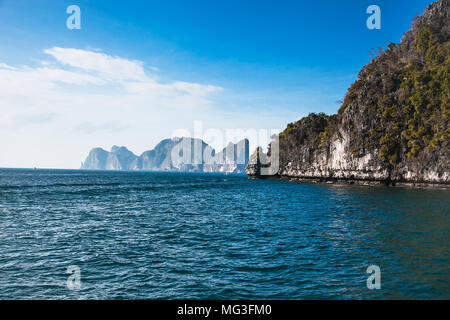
[112, 68]
[54, 112]
[82, 99]
[94, 75]
[5, 66]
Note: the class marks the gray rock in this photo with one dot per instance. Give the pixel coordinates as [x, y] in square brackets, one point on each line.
[178, 154]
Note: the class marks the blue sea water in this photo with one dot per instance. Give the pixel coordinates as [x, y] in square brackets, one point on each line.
[212, 236]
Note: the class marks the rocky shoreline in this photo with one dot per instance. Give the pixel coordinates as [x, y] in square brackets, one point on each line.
[360, 182]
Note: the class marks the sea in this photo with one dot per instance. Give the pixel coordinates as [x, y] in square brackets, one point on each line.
[72, 234]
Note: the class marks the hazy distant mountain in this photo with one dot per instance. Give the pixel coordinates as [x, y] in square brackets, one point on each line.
[230, 159]
[178, 154]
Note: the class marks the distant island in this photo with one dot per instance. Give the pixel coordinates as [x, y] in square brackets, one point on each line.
[392, 127]
[177, 154]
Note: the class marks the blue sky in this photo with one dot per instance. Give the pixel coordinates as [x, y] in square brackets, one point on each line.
[258, 64]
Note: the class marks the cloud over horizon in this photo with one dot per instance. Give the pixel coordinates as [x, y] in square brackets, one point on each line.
[95, 74]
[53, 112]
[77, 94]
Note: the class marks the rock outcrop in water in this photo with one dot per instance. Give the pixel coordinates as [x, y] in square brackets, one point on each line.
[178, 154]
[393, 123]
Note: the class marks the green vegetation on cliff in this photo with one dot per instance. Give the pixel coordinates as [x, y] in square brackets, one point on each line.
[398, 107]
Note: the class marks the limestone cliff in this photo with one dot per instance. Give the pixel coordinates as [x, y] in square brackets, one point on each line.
[393, 124]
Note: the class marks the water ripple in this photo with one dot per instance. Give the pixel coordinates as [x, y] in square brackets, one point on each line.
[210, 236]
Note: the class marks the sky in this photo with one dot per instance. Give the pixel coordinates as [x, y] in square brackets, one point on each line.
[141, 71]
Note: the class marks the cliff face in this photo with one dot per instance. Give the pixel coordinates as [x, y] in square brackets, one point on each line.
[393, 124]
[120, 158]
[178, 154]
